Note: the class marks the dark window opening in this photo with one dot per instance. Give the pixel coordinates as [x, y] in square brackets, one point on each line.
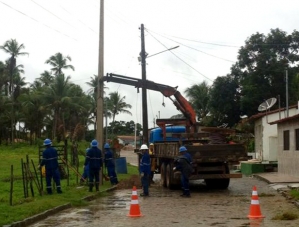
[286, 140]
[297, 139]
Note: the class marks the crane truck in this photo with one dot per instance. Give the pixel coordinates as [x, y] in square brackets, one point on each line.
[212, 156]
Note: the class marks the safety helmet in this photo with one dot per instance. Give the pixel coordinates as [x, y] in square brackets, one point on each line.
[143, 147]
[47, 142]
[94, 143]
[107, 145]
[151, 144]
[182, 149]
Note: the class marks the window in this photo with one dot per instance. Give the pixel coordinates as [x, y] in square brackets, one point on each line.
[286, 140]
[297, 139]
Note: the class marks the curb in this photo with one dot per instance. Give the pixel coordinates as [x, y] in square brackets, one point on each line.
[282, 192]
[261, 178]
[55, 210]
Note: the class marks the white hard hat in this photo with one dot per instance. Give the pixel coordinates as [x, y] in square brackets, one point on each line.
[143, 147]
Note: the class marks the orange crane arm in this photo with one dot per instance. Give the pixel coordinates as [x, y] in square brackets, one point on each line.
[181, 103]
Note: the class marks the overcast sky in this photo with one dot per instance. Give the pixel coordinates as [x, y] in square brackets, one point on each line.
[208, 32]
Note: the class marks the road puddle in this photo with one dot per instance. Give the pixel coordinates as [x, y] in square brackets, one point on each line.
[87, 216]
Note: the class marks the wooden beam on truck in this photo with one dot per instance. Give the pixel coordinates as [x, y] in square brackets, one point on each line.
[215, 176]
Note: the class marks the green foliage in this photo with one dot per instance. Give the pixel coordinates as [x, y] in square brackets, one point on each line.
[264, 60]
[122, 128]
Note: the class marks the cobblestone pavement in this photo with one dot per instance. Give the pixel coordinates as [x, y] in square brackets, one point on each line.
[166, 208]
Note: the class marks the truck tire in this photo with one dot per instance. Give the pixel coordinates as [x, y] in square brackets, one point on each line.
[219, 183]
[163, 174]
[171, 181]
[169, 176]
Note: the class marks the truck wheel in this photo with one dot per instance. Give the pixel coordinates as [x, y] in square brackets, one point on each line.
[169, 177]
[163, 174]
[218, 183]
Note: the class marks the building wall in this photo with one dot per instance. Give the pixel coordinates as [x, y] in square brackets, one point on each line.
[288, 161]
[265, 134]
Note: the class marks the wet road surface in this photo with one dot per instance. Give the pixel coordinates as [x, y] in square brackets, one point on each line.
[220, 208]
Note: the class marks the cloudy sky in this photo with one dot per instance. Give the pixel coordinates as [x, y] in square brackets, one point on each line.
[209, 34]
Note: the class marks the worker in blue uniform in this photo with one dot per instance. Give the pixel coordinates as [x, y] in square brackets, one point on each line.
[183, 163]
[110, 164]
[94, 160]
[145, 169]
[50, 161]
[85, 174]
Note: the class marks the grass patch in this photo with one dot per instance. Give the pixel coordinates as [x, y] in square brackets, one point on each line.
[25, 207]
[266, 195]
[294, 193]
[285, 216]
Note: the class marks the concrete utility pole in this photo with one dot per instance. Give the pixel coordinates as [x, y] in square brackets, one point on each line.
[99, 119]
[143, 55]
[287, 92]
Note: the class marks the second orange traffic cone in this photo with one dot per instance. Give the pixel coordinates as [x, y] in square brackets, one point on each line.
[134, 207]
[255, 210]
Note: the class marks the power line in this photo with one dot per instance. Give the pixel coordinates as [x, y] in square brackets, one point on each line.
[79, 20]
[181, 58]
[200, 50]
[37, 21]
[52, 13]
[214, 44]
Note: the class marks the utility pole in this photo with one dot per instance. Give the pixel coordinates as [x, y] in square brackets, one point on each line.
[287, 92]
[143, 55]
[99, 119]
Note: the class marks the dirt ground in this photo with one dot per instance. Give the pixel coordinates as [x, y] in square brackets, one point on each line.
[127, 184]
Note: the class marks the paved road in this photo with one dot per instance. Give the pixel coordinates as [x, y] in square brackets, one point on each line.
[131, 157]
[220, 208]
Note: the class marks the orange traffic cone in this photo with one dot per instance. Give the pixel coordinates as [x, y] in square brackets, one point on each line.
[255, 210]
[134, 207]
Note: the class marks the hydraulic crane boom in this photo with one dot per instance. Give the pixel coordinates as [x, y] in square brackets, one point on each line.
[181, 103]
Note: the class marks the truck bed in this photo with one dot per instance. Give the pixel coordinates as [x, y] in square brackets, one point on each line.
[231, 153]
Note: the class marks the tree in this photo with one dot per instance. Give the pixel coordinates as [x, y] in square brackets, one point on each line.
[93, 91]
[263, 61]
[118, 105]
[57, 98]
[198, 95]
[224, 100]
[59, 62]
[13, 48]
[46, 78]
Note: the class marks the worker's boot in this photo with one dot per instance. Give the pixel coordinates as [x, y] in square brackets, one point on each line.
[49, 191]
[90, 187]
[97, 187]
[59, 190]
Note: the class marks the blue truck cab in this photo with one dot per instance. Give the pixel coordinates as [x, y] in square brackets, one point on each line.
[156, 135]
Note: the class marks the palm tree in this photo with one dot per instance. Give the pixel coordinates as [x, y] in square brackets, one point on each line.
[56, 97]
[13, 48]
[198, 95]
[117, 105]
[4, 78]
[46, 78]
[93, 91]
[59, 62]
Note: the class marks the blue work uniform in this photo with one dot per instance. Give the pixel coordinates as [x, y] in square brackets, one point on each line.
[145, 171]
[50, 161]
[94, 160]
[183, 164]
[110, 165]
[85, 174]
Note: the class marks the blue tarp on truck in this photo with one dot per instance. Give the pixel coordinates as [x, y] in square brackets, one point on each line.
[156, 135]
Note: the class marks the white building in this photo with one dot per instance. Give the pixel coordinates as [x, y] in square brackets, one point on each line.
[266, 134]
[288, 145]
